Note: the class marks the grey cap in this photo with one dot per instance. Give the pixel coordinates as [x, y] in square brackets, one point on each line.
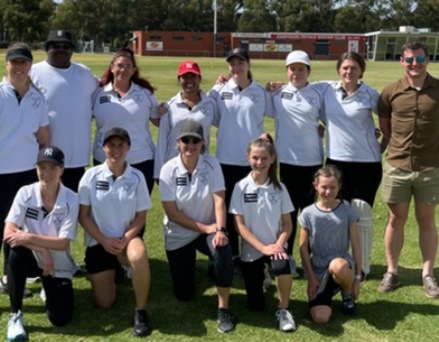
[191, 128]
[51, 154]
[117, 132]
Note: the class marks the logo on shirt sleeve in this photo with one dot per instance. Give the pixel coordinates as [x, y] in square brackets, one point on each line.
[102, 185]
[251, 198]
[181, 181]
[104, 99]
[226, 96]
[32, 213]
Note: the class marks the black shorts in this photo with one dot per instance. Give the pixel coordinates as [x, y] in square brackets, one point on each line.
[328, 288]
[97, 259]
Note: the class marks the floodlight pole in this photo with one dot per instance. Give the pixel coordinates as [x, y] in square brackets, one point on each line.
[214, 27]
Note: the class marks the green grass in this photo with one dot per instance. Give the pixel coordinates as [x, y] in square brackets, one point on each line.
[405, 315]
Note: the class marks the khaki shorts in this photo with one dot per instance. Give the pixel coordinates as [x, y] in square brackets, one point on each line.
[398, 185]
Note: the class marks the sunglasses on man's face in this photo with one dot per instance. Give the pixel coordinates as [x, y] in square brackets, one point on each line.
[419, 59]
[190, 140]
[59, 46]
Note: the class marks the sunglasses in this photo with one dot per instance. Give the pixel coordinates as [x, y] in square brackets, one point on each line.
[190, 140]
[419, 59]
[59, 46]
[121, 66]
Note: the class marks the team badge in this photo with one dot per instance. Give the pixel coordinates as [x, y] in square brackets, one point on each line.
[273, 197]
[204, 178]
[36, 101]
[128, 187]
[255, 98]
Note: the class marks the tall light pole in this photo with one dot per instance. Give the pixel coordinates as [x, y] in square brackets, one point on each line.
[214, 27]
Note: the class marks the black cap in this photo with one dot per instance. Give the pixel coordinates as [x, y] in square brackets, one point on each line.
[191, 128]
[240, 53]
[51, 154]
[117, 132]
[19, 52]
[59, 36]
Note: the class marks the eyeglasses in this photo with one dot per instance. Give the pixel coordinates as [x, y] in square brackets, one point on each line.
[190, 140]
[121, 66]
[419, 59]
[59, 46]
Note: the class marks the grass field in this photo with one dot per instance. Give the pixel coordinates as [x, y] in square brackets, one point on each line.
[404, 315]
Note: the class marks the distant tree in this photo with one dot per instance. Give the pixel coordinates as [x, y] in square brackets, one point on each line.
[359, 16]
[257, 16]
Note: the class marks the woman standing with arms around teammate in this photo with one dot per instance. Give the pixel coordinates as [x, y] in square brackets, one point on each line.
[190, 103]
[261, 207]
[329, 228]
[41, 223]
[127, 100]
[242, 105]
[23, 129]
[113, 201]
[297, 108]
[192, 194]
[351, 142]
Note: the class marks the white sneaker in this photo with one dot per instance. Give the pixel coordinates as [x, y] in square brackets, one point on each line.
[286, 320]
[267, 277]
[43, 295]
[16, 330]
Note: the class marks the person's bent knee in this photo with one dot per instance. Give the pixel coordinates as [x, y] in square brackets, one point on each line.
[338, 265]
[104, 303]
[280, 267]
[321, 314]
[59, 320]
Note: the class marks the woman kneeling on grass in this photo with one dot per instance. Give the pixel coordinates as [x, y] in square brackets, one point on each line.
[262, 207]
[328, 227]
[39, 227]
[192, 194]
[113, 202]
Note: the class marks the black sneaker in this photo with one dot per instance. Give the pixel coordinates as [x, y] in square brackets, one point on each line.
[141, 326]
[226, 321]
[348, 306]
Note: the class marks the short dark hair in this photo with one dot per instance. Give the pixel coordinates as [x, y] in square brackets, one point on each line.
[415, 45]
[355, 57]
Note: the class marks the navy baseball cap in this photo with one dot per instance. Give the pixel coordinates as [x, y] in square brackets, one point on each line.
[19, 51]
[60, 36]
[117, 132]
[240, 53]
[51, 154]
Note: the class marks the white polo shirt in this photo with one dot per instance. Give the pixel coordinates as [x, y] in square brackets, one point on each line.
[27, 211]
[297, 113]
[204, 113]
[241, 119]
[68, 93]
[193, 195]
[114, 203]
[350, 128]
[131, 112]
[262, 207]
[19, 123]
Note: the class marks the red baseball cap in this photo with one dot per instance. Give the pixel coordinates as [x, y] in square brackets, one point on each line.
[189, 67]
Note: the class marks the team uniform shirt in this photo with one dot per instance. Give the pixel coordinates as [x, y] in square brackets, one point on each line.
[262, 207]
[240, 120]
[131, 112]
[19, 123]
[328, 233]
[204, 113]
[350, 128]
[193, 195]
[113, 202]
[28, 213]
[297, 113]
[68, 93]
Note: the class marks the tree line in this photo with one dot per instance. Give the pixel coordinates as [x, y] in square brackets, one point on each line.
[110, 21]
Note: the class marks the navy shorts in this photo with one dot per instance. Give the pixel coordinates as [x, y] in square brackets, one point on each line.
[328, 288]
[97, 259]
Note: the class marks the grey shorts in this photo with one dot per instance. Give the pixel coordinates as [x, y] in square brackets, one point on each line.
[398, 185]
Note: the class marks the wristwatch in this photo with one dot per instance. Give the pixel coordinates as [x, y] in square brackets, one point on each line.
[358, 277]
[222, 229]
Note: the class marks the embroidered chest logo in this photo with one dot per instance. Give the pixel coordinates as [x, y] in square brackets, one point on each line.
[181, 181]
[138, 98]
[273, 197]
[32, 213]
[251, 198]
[204, 178]
[255, 98]
[226, 96]
[36, 101]
[129, 187]
[102, 185]
[58, 218]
